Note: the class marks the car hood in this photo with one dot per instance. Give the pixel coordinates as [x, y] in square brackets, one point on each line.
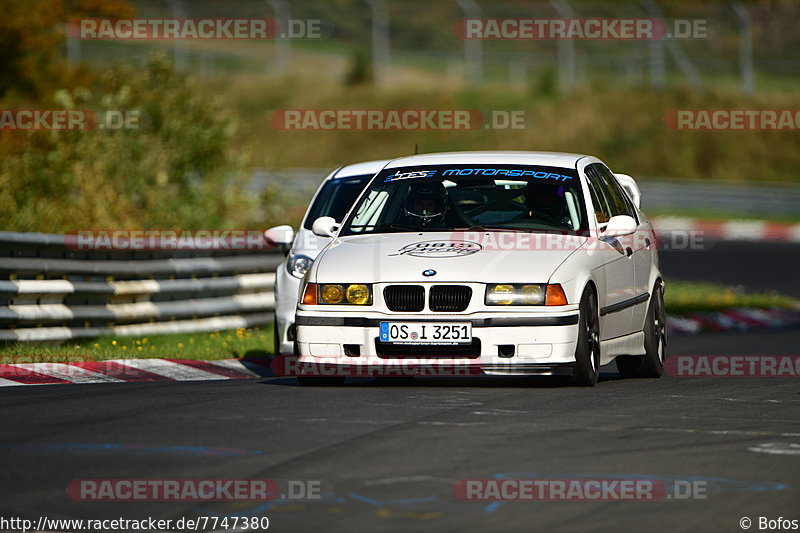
[486, 257]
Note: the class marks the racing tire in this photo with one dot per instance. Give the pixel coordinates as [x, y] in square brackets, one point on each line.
[587, 351]
[276, 346]
[651, 364]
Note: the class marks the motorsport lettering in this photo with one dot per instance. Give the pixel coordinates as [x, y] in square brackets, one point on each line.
[513, 172]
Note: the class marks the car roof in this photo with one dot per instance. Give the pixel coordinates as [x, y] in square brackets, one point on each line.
[359, 169]
[550, 159]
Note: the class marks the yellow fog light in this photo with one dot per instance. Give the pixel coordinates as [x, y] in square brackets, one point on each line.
[332, 294]
[500, 295]
[358, 294]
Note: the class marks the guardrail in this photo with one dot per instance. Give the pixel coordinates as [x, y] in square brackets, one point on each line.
[49, 292]
[753, 199]
[658, 193]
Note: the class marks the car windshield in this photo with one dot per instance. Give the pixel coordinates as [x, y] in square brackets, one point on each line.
[480, 197]
[336, 198]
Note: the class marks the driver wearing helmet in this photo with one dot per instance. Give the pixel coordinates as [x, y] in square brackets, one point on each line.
[425, 205]
[546, 202]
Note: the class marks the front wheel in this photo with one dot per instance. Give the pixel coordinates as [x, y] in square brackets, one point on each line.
[651, 364]
[587, 352]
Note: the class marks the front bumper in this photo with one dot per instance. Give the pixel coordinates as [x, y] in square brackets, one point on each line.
[526, 343]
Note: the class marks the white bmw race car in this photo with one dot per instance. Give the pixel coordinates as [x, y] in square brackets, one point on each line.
[510, 262]
[334, 197]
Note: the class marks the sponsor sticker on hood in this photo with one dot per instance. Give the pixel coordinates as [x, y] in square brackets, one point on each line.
[442, 248]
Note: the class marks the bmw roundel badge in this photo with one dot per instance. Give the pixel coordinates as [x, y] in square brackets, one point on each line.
[429, 272]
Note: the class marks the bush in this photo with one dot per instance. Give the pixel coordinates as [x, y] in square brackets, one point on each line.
[179, 169]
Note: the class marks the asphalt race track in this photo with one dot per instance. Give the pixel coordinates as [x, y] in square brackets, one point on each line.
[388, 456]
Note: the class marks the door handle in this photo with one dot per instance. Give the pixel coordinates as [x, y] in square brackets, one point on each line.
[646, 242]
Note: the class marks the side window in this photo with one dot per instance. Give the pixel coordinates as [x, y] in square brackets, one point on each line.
[618, 199]
[368, 213]
[602, 209]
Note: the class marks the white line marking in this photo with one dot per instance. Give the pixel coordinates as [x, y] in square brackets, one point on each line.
[722, 432]
[777, 448]
[405, 479]
[495, 411]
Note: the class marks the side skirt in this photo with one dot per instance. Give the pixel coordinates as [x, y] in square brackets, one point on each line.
[632, 344]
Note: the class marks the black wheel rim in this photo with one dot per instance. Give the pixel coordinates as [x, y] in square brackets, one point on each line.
[593, 336]
[660, 327]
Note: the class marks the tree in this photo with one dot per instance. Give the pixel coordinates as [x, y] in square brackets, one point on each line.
[32, 43]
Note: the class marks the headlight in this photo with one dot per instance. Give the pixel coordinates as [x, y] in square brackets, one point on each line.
[525, 294]
[298, 265]
[345, 294]
[515, 294]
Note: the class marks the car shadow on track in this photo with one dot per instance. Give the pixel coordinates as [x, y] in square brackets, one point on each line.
[542, 382]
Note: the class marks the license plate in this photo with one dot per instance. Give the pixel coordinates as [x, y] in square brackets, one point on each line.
[426, 332]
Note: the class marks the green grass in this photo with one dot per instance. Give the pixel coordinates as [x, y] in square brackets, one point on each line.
[683, 297]
[201, 346]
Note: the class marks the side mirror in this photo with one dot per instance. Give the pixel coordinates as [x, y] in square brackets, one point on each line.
[281, 237]
[619, 226]
[631, 187]
[325, 227]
